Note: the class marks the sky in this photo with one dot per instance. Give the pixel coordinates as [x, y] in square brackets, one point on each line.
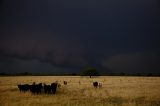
[66, 36]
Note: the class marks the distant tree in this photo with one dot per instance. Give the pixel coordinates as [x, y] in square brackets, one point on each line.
[90, 72]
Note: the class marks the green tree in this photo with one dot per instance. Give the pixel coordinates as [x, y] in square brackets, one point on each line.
[90, 72]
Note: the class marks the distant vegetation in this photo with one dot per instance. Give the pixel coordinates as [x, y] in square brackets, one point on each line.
[87, 72]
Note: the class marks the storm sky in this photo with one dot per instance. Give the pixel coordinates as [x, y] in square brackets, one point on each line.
[64, 36]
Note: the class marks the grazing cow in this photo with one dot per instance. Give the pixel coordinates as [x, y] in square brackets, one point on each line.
[65, 82]
[53, 87]
[24, 87]
[95, 84]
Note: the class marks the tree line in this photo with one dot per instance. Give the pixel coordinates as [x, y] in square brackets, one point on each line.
[87, 72]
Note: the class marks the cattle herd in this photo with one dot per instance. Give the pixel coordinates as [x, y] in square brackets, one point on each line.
[38, 88]
[47, 89]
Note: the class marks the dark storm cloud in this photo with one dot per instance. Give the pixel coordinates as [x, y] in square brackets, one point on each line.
[143, 62]
[52, 49]
[80, 33]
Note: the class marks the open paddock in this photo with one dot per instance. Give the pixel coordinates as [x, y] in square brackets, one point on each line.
[79, 91]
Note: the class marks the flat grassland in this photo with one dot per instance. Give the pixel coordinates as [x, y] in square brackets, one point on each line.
[115, 91]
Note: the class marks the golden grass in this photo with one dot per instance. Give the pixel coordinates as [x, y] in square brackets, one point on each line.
[115, 91]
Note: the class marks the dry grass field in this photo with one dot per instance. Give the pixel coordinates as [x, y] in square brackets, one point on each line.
[115, 91]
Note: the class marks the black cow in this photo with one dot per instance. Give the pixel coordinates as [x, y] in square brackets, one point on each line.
[33, 88]
[47, 89]
[24, 87]
[36, 88]
[20, 87]
[95, 84]
[53, 87]
[39, 87]
[58, 84]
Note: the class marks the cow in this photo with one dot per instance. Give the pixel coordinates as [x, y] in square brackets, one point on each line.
[65, 82]
[95, 84]
[100, 85]
[39, 88]
[33, 88]
[53, 87]
[36, 88]
[24, 88]
[58, 84]
[20, 87]
[47, 89]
